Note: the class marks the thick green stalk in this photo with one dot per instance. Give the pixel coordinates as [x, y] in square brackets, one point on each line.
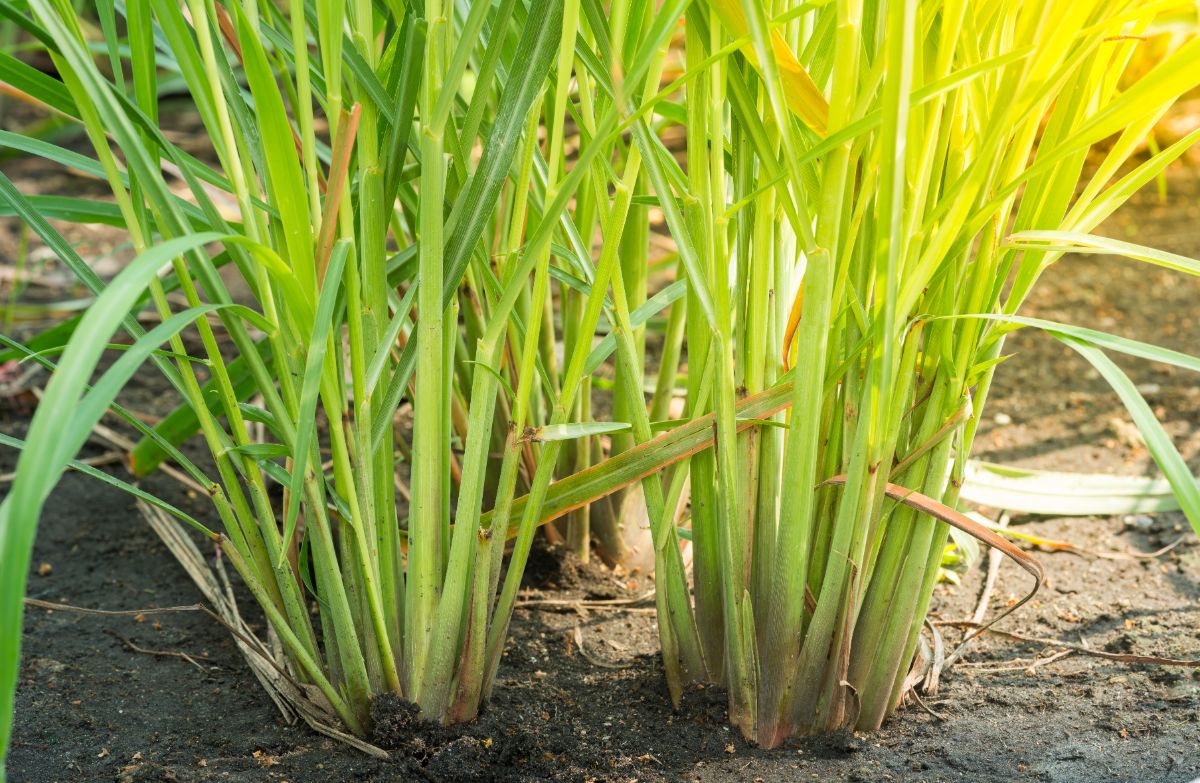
[429, 433]
[802, 447]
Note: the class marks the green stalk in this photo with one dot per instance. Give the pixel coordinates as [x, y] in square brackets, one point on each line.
[429, 432]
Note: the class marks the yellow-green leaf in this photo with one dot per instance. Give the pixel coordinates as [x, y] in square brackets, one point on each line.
[804, 98]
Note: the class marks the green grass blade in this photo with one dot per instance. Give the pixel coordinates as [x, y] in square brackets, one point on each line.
[286, 179]
[314, 367]
[124, 486]
[664, 298]
[1157, 441]
[1074, 242]
[1100, 339]
[645, 459]
[37, 85]
[572, 430]
[1054, 493]
[39, 469]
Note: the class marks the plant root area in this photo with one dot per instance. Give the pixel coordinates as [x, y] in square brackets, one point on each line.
[167, 697]
[581, 694]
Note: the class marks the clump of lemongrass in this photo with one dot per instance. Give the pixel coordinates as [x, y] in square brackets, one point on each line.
[406, 257]
[854, 172]
[794, 580]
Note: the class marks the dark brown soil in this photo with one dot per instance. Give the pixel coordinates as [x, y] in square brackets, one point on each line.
[91, 708]
[98, 701]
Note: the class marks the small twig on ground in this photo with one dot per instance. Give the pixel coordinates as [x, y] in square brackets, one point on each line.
[162, 653]
[584, 603]
[53, 607]
[402, 488]
[937, 661]
[1065, 546]
[148, 419]
[1033, 664]
[1142, 555]
[989, 584]
[20, 383]
[1154, 660]
[995, 557]
[921, 703]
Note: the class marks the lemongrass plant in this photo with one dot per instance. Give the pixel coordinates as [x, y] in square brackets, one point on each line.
[854, 173]
[383, 189]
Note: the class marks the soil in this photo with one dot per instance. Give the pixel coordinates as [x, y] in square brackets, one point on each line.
[104, 698]
[92, 707]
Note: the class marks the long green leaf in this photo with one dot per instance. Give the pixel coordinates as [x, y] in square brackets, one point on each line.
[1054, 493]
[314, 366]
[1074, 242]
[603, 478]
[1157, 441]
[52, 444]
[124, 486]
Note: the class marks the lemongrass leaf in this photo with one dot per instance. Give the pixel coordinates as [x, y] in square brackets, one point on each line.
[260, 451]
[37, 85]
[286, 180]
[1055, 493]
[124, 486]
[803, 96]
[314, 366]
[1074, 242]
[1100, 339]
[38, 470]
[672, 293]
[1157, 441]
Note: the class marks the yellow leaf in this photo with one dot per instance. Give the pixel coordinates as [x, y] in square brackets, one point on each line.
[803, 96]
